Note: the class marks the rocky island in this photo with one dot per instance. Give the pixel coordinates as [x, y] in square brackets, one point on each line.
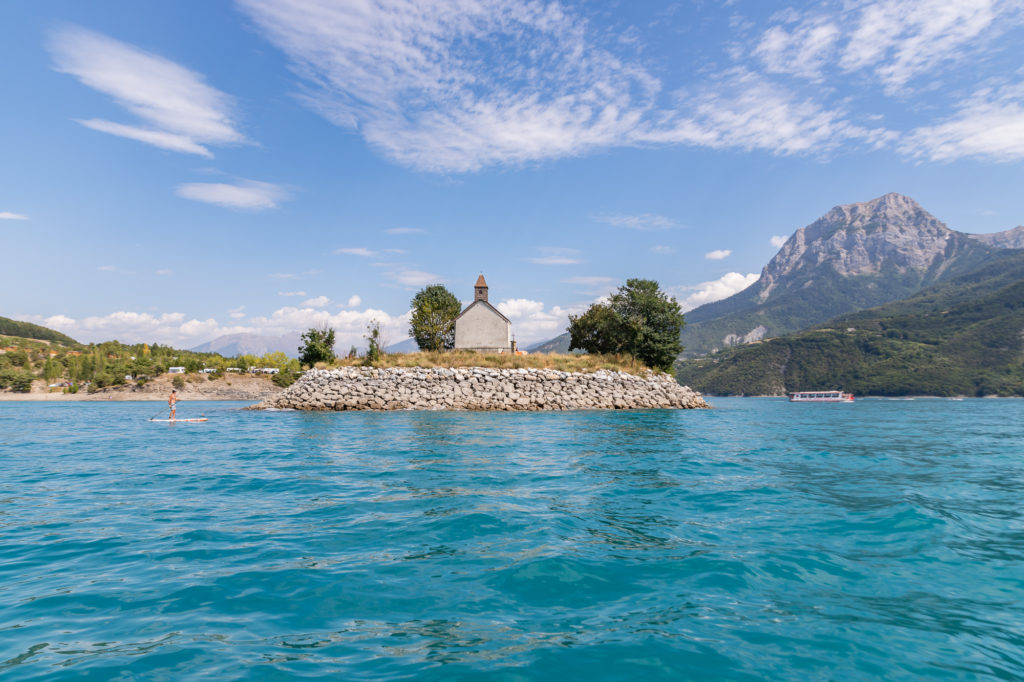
[481, 388]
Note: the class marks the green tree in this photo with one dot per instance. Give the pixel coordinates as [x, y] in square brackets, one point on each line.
[638, 319]
[317, 345]
[434, 310]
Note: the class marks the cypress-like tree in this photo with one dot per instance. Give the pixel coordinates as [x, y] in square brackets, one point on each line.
[432, 325]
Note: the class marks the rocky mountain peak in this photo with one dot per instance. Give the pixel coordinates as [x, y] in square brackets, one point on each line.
[859, 239]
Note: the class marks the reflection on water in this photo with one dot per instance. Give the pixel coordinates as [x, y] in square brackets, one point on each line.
[759, 539]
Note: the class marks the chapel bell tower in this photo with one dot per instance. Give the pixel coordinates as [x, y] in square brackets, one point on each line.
[481, 289]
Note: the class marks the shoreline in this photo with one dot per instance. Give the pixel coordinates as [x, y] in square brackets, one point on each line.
[196, 387]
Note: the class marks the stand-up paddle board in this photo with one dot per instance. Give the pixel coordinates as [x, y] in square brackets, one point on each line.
[180, 420]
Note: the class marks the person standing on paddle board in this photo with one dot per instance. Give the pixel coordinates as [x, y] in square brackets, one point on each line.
[172, 401]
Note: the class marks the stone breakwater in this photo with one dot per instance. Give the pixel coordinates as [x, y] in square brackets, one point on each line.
[478, 388]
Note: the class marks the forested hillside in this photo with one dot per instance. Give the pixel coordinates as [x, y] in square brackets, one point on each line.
[9, 327]
[961, 337]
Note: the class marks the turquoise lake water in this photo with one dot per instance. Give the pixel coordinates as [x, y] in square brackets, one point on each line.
[761, 539]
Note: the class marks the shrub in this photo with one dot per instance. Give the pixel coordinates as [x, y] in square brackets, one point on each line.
[178, 382]
[317, 345]
[284, 379]
[22, 383]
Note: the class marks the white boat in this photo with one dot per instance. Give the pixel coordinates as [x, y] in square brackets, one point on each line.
[820, 397]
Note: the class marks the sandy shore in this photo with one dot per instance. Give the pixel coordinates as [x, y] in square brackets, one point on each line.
[197, 387]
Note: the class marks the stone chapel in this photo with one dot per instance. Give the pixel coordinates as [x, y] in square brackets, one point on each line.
[481, 326]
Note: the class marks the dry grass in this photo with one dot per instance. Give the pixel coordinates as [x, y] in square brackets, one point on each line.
[464, 358]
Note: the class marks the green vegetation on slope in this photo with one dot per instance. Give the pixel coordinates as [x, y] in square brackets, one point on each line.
[9, 327]
[24, 360]
[962, 337]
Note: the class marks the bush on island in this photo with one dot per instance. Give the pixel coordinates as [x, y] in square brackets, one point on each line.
[638, 319]
[317, 345]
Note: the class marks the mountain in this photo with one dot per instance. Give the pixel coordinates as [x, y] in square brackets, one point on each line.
[559, 344]
[854, 257]
[231, 345]
[1011, 239]
[964, 336]
[407, 346]
[27, 330]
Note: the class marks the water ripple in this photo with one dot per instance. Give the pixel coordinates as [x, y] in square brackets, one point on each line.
[757, 540]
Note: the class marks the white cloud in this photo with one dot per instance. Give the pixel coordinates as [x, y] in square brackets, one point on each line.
[179, 111]
[317, 302]
[662, 249]
[718, 254]
[164, 272]
[691, 297]
[356, 251]
[551, 255]
[354, 301]
[349, 325]
[643, 221]
[415, 278]
[133, 327]
[106, 268]
[7, 215]
[246, 194]
[237, 313]
[531, 322]
[291, 293]
[404, 230]
[989, 125]
[175, 329]
[778, 240]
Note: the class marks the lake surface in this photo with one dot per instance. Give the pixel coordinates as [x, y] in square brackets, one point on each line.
[761, 539]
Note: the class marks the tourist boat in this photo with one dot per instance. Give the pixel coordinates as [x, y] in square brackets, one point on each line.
[820, 397]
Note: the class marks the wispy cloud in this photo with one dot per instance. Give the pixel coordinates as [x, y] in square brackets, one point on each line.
[642, 221]
[718, 254]
[291, 293]
[988, 125]
[164, 272]
[553, 255]
[106, 268]
[404, 230]
[421, 82]
[894, 41]
[662, 249]
[7, 215]
[178, 110]
[415, 278]
[237, 313]
[595, 285]
[778, 240]
[293, 275]
[365, 252]
[246, 194]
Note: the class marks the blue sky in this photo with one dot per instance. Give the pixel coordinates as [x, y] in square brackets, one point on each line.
[175, 171]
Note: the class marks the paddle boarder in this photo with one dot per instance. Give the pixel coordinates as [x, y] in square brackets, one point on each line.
[172, 401]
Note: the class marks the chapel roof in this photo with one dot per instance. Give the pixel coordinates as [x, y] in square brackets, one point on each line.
[480, 281]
